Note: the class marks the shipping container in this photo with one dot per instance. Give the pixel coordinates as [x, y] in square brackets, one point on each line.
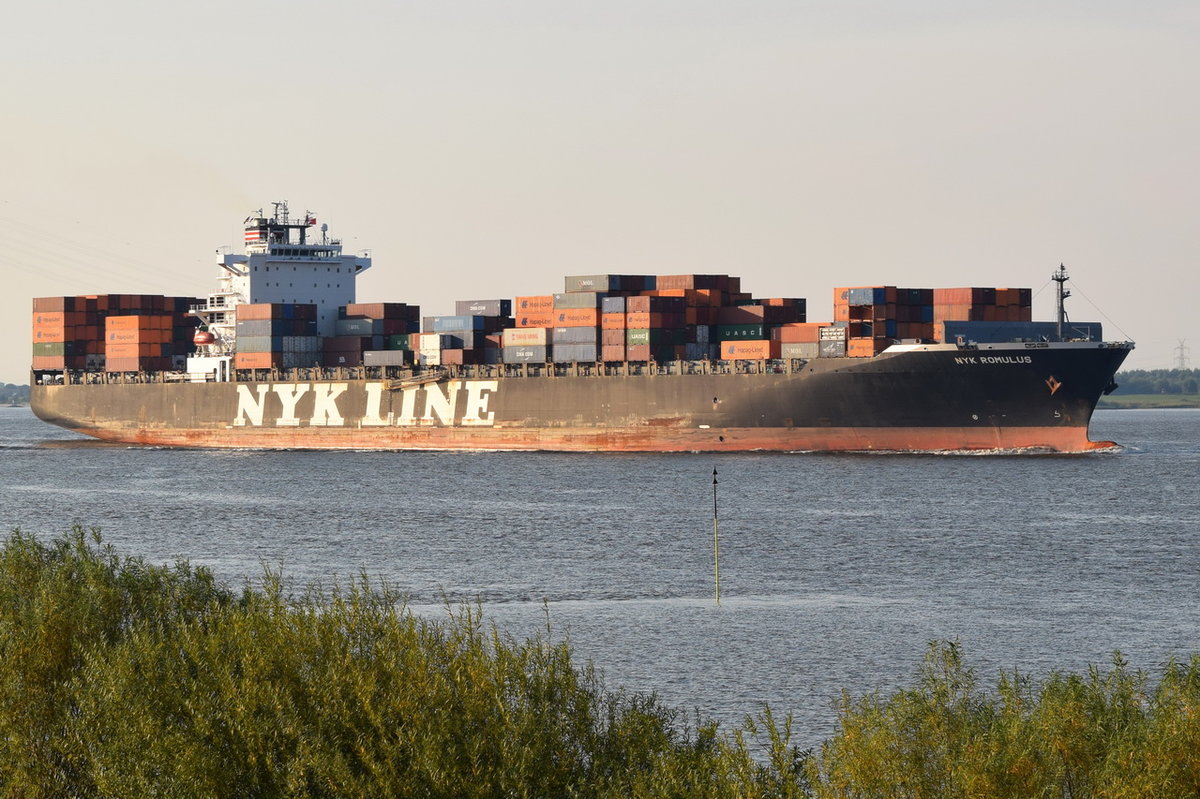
[568, 353]
[797, 332]
[541, 303]
[525, 337]
[380, 310]
[522, 354]
[483, 307]
[535, 319]
[800, 349]
[579, 300]
[254, 360]
[612, 352]
[613, 305]
[762, 349]
[573, 335]
[576, 317]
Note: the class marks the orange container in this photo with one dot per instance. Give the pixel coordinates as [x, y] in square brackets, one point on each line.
[576, 317]
[255, 311]
[534, 304]
[750, 350]
[257, 360]
[612, 321]
[797, 333]
[866, 347]
[535, 319]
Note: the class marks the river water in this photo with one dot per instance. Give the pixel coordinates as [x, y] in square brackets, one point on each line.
[836, 570]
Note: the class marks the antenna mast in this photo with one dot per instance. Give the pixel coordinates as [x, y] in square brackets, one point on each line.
[1060, 277]
[1181, 353]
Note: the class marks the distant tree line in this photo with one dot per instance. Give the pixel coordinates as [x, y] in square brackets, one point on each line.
[10, 394]
[1159, 381]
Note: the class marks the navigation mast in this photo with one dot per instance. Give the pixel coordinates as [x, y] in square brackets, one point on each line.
[1060, 277]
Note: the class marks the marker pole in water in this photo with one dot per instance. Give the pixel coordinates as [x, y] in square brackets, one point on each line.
[716, 540]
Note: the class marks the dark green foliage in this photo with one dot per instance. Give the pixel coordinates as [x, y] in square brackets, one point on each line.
[122, 680]
[1158, 381]
[1103, 734]
[13, 395]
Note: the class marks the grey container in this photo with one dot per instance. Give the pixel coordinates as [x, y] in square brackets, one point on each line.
[612, 305]
[524, 354]
[568, 353]
[387, 358]
[805, 349]
[578, 299]
[574, 335]
[358, 327]
[576, 283]
[832, 349]
[483, 307]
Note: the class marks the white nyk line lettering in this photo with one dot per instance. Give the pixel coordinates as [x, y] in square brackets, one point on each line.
[449, 404]
[249, 409]
[289, 395]
[325, 409]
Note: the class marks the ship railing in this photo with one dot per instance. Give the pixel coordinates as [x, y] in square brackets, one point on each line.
[402, 377]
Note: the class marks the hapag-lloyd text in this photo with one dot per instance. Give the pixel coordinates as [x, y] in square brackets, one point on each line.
[453, 403]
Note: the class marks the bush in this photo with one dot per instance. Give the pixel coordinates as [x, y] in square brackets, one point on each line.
[122, 679]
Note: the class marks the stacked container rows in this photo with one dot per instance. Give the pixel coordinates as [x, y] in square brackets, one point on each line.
[82, 332]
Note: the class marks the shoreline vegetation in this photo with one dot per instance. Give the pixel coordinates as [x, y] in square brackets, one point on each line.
[121, 678]
[1125, 402]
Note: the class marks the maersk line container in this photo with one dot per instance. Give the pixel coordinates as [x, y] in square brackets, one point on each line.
[523, 354]
[574, 335]
[483, 307]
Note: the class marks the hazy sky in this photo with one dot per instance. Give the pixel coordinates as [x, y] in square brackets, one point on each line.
[486, 149]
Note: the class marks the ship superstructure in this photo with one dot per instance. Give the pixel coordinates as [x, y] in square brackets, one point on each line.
[281, 264]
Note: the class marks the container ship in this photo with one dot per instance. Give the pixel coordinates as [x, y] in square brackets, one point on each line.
[282, 356]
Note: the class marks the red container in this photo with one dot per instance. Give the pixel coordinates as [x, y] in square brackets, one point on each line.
[612, 352]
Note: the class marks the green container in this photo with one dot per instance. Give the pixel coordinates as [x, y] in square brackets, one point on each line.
[58, 348]
[740, 332]
[397, 342]
[655, 336]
